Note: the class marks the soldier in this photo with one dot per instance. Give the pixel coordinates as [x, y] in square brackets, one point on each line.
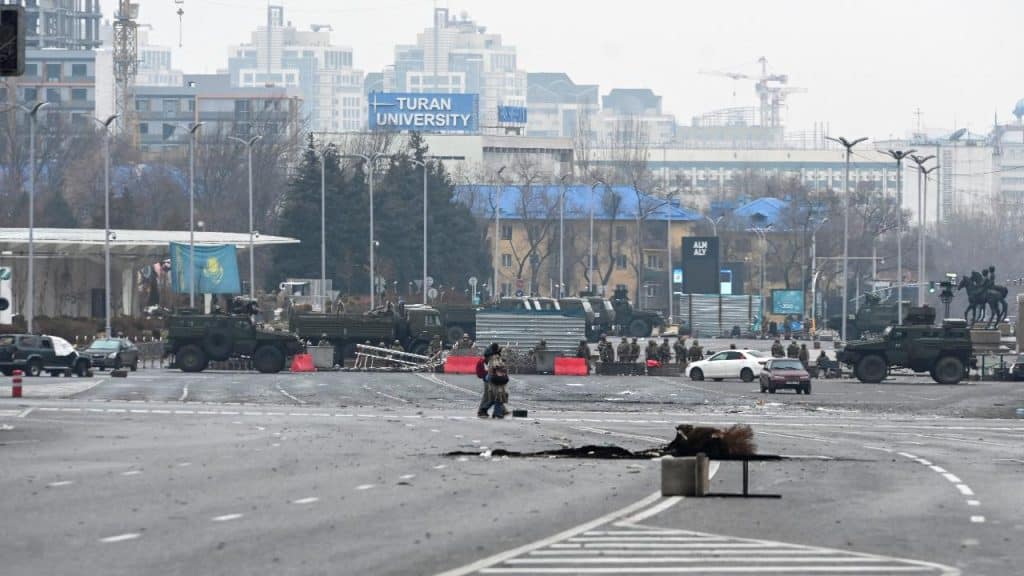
[435, 345]
[804, 356]
[793, 351]
[465, 343]
[777, 350]
[605, 350]
[634, 351]
[623, 350]
[583, 351]
[541, 346]
[664, 352]
[323, 340]
[696, 352]
[652, 350]
[680, 349]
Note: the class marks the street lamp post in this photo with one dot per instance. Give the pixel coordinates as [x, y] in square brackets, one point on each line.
[371, 166]
[814, 272]
[714, 224]
[106, 218]
[922, 195]
[495, 294]
[668, 250]
[192, 131]
[899, 155]
[33, 114]
[590, 252]
[762, 234]
[846, 223]
[425, 163]
[249, 143]
[561, 236]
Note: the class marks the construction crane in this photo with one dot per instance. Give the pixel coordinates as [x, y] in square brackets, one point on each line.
[126, 63]
[771, 89]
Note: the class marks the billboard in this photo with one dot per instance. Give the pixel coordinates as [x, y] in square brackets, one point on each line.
[405, 112]
[701, 268]
[512, 114]
[788, 302]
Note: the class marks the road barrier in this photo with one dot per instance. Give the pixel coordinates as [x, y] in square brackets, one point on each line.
[571, 367]
[303, 363]
[16, 384]
[461, 365]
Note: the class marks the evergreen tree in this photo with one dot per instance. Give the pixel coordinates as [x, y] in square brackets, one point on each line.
[299, 217]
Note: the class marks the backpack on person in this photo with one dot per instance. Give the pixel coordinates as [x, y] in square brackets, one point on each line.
[498, 372]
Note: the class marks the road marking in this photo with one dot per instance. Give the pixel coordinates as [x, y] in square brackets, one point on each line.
[388, 396]
[60, 483]
[364, 486]
[407, 477]
[907, 455]
[620, 434]
[938, 469]
[643, 549]
[952, 478]
[289, 396]
[184, 393]
[308, 500]
[226, 517]
[965, 490]
[978, 519]
[974, 503]
[25, 412]
[131, 473]
[120, 537]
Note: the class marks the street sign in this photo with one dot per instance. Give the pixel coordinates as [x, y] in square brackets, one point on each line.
[472, 280]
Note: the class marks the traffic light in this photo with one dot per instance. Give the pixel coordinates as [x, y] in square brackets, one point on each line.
[931, 287]
[12, 40]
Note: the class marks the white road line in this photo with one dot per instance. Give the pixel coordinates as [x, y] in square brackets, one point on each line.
[131, 473]
[485, 563]
[978, 519]
[25, 412]
[653, 510]
[226, 517]
[938, 469]
[60, 483]
[364, 486]
[120, 537]
[620, 434]
[308, 500]
[184, 393]
[388, 396]
[924, 462]
[952, 478]
[184, 412]
[974, 503]
[289, 396]
[907, 455]
[406, 476]
[965, 490]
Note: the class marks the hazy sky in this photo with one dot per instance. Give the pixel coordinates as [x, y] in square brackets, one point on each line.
[867, 65]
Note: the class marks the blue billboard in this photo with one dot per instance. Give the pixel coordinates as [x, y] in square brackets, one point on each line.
[512, 114]
[787, 302]
[406, 112]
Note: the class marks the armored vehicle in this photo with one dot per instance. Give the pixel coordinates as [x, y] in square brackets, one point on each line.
[581, 307]
[942, 351]
[632, 322]
[413, 325]
[871, 319]
[196, 339]
[458, 319]
[604, 315]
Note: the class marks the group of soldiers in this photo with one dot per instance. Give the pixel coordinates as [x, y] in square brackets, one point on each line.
[794, 351]
[628, 351]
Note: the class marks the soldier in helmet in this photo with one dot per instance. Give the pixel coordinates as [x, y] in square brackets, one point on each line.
[777, 350]
[652, 350]
[623, 350]
[696, 352]
[793, 351]
[634, 350]
[664, 351]
[679, 347]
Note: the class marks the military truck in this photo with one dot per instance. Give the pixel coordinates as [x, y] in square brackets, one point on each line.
[604, 315]
[196, 339]
[942, 351]
[413, 325]
[632, 322]
[581, 307]
[872, 318]
[458, 319]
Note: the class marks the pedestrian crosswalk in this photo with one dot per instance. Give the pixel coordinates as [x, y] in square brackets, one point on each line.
[625, 547]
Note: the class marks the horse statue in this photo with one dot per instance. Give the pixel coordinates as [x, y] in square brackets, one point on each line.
[982, 293]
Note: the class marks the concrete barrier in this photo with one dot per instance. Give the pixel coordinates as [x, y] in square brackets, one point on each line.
[686, 476]
[461, 365]
[571, 366]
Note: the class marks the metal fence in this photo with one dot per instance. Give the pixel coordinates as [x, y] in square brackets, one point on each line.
[712, 315]
[523, 331]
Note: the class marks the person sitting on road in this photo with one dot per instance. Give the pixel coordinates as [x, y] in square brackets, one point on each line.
[777, 350]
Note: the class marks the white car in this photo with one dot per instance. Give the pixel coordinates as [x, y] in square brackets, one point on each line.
[743, 364]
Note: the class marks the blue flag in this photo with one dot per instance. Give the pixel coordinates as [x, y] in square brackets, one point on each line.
[215, 269]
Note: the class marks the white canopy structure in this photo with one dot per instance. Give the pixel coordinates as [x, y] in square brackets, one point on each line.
[89, 241]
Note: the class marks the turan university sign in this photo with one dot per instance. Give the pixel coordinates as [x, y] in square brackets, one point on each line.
[404, 112]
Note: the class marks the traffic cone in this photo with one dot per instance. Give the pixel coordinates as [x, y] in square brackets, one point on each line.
[16, 384]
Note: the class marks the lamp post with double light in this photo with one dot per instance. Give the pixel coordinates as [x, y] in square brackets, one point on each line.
[848, 144]
[249, 143]
[105, 124]
[898, 156]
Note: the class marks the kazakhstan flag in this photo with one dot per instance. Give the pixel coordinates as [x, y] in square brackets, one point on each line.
[215, 269]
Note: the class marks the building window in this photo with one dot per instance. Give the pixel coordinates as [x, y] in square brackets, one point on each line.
[79, 94]
[506, 232]
[141, 105]
[506, 260]
[620, 233]
[31, 70]
[620, 262]
[170, 108]
[31, 94]
[651, 290]
[143, 128]
[53, 72]
[168, 131]
[78, 70]
[654, 262]
[53, 95]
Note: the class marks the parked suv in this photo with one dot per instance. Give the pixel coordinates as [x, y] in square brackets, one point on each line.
[37, 354]
[113, 353]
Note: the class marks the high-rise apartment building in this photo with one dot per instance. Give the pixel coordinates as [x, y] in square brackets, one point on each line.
[456, 55]
[280, 55]
[558, 107]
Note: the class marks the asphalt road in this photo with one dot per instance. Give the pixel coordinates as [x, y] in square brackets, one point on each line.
[346, 473]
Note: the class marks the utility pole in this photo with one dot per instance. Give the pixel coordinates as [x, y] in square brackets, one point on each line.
[922, 192]
[846, 224]
[899, 155]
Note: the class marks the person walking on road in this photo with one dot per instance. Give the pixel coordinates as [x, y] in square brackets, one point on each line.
[495, 383]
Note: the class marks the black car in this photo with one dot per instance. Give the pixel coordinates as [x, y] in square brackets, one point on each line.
[1017, 371]
[113, 353]
[34, 355]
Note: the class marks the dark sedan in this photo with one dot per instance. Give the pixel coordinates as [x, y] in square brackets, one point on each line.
[113, 353]
[1017, 371]
[785, 373]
